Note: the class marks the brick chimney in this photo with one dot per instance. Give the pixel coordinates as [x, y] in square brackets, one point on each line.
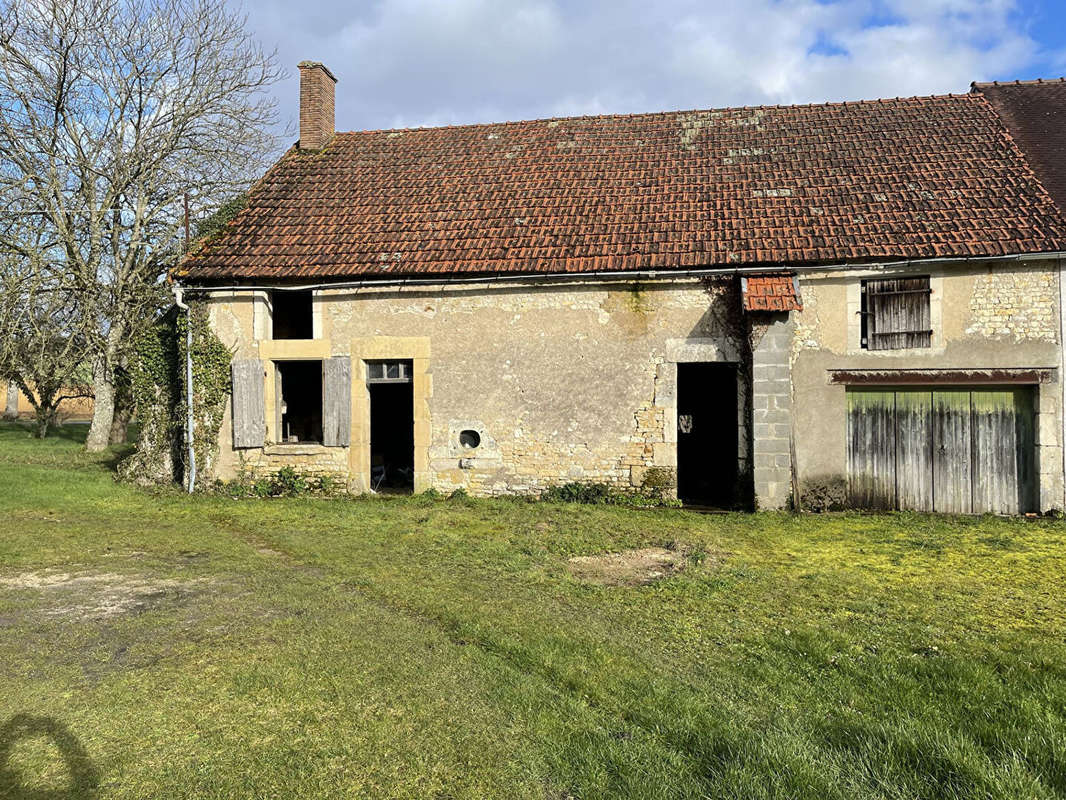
[316, 105]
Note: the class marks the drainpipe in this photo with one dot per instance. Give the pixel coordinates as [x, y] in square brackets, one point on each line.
[1062, 369]
[189, 422]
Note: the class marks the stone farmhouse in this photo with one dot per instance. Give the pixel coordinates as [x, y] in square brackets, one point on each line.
[840, 304]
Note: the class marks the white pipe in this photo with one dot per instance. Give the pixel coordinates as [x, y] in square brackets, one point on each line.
[1062, 372]
[645, 274]
[190, 423]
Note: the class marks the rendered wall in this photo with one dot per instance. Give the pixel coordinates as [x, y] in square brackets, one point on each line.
[984, 316]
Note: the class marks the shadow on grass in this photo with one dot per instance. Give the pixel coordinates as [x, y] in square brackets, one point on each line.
[82, 778]
[64, 432]
[74, 433]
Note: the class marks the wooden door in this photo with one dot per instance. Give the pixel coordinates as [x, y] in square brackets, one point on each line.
[967, 450]
[1003, 464]
[914, 452]
[952, 448]
[872, 449]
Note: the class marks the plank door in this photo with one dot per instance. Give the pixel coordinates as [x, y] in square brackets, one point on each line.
[1003, 473]
[966, 450]
[914, 451]
[872, 449]
[952, 451]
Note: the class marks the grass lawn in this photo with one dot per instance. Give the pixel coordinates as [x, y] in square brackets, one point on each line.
[153, 645]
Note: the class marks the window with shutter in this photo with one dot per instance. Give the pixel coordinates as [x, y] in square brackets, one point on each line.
[895, 313]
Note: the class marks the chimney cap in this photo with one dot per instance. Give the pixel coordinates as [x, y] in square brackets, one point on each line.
[317, 65]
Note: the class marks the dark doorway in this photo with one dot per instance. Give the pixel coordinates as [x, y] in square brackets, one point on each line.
[300, 389]
[707, 435]
[392, 426]
[293, 314]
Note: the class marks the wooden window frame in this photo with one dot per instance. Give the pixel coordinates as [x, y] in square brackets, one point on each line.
[404, 370]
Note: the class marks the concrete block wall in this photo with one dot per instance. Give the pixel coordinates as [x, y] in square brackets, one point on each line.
[772, 411]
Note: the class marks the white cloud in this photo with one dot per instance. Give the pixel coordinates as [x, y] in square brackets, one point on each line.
[414, 62]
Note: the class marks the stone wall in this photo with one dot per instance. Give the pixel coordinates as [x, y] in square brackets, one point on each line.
[1019, 304]
[562, 383]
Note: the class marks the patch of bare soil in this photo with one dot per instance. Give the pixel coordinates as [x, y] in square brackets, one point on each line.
[99, 595]
[630, 567]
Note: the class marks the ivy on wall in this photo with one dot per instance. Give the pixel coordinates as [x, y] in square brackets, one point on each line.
[157, 377]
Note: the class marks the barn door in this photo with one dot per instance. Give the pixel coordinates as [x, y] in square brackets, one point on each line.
[953, 451]
[914, 456]
[249, 417]
[336, 401]
[872, 449]
[1003, 468]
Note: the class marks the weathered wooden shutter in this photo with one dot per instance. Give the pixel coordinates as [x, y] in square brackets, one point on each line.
[336, 401]
[249, 409]
[897, 313]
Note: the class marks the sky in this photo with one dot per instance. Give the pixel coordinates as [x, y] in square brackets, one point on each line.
[406, 63]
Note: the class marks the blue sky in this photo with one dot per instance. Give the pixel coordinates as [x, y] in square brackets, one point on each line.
[433, 62]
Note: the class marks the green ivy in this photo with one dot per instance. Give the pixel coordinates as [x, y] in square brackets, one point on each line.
[214, 225]
[154, 386]
[211, 383]
[157, 384]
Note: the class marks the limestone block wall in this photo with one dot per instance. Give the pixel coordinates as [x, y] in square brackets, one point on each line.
[1018, 304]
[569, 382]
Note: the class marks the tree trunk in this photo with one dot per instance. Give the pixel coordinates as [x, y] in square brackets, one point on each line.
[120, 424]
[123, 400]
[45, 419]
[11, 410]
[103, 407]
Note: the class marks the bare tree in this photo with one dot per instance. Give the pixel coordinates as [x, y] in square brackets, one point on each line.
[43, 341]
[110, 112]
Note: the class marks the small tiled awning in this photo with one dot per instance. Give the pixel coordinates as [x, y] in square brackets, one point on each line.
[770, 292]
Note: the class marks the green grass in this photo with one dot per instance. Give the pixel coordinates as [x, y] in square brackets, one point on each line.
[429, 648]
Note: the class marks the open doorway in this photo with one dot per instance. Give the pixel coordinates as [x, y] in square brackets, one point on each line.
[392, 426]
[707, 435]
[300, 409]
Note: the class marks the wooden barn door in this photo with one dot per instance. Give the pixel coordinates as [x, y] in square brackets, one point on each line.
[952, 451]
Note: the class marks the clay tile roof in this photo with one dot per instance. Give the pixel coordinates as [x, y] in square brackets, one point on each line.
[789, 185]
[1035, 114]
[777, 292]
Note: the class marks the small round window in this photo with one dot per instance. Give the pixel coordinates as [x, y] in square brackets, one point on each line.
[469, 439]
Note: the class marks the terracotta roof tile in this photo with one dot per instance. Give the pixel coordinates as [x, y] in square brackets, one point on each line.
[912, 178]
[1035, 114]
[774, 292]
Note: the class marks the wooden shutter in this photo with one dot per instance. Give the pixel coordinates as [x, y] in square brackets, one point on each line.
[336, 401]
[897, 313]
[249, 410]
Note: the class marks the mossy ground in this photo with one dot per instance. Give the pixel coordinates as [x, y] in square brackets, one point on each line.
[416, 647]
